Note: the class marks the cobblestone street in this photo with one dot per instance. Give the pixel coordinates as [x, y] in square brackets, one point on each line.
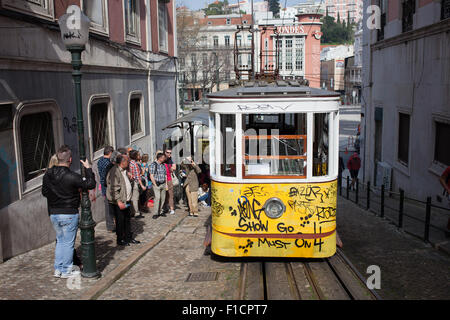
[162, 273]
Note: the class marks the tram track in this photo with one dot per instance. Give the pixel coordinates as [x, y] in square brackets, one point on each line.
[333, 278]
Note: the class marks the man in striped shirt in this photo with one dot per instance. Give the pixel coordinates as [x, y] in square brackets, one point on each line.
[158, 175]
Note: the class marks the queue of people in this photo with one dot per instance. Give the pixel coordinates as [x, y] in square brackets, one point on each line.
[129, 183]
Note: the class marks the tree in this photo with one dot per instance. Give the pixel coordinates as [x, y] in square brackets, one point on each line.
[337, 33]
[216, 8]
[199, 65]
[274, 6]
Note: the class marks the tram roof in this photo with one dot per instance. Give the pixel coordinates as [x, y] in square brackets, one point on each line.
[254, 89]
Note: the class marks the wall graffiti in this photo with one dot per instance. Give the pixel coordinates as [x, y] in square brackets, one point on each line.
[262, 107]
[71, 127]
[306, 228]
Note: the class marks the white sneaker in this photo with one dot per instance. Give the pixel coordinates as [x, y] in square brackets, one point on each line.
[57, 274]
[73, 273]
[172, 212]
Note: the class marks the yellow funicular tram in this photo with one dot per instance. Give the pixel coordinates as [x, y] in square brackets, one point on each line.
[274, 168]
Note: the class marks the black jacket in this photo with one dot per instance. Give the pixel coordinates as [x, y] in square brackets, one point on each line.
[62, 187]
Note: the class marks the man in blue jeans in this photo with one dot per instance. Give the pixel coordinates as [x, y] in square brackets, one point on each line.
[62, 187]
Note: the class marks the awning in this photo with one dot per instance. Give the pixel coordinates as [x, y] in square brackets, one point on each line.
[198, 116]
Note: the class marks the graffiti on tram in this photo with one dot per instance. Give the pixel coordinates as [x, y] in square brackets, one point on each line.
[308, 222]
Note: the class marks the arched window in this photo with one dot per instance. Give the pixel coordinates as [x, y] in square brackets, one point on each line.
[37, 134]
[101, 125]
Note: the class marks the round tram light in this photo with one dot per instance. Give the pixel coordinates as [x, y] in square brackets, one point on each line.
[274, 208]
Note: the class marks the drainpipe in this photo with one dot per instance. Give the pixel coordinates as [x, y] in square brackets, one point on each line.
[150, 96]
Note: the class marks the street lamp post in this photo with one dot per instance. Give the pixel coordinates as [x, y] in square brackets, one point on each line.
[74, 27]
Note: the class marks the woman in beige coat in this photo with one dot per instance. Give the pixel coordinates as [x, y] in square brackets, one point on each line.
[191, 184]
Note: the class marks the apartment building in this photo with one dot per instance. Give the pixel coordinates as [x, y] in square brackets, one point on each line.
[128, 95]
[406, 101]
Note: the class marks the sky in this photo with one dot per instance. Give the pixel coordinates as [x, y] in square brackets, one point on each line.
[199, 4]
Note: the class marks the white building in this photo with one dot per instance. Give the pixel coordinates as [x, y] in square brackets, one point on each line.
[338, 52]
[207, 55]
[406, 101]
[344, 8]
[311, 6]
[246, 6]
[288, 13]
[357, 47]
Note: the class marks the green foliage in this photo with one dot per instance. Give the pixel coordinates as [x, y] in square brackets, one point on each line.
[337, 32]
[216, 8]
[274, 6]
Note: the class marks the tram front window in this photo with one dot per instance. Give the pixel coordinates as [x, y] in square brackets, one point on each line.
[274, 145]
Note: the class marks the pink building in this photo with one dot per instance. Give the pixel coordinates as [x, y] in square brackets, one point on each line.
[298, 47]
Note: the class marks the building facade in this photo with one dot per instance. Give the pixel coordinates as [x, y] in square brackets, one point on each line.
[128, 94]
[298, 46]
[406, 101]
[246, 6]
[352, 81]
[311, 6]
[333, 67]
[344, 9]
[206, 58]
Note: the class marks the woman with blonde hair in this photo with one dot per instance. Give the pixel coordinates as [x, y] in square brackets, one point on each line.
[53, 161]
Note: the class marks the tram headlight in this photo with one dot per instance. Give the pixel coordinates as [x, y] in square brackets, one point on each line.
[274, 208]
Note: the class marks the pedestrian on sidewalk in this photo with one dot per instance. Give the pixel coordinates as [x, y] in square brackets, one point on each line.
[158, 176]
[119, 193]
[61, 187]
[76, 260]
[170, 167]
[135, 171]
[104, 164]
[204, 195]
[145, 177]
[191, 184]
[353, 165]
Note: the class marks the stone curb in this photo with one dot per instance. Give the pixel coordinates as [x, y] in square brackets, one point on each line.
[104, 283]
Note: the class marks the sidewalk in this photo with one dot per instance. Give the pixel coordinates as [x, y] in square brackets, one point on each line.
[410, 269]
[30, 275]
[414, 212]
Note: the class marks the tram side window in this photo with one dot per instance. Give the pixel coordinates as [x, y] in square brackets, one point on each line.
[274, 145]
[321, 144]
[228, 131]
